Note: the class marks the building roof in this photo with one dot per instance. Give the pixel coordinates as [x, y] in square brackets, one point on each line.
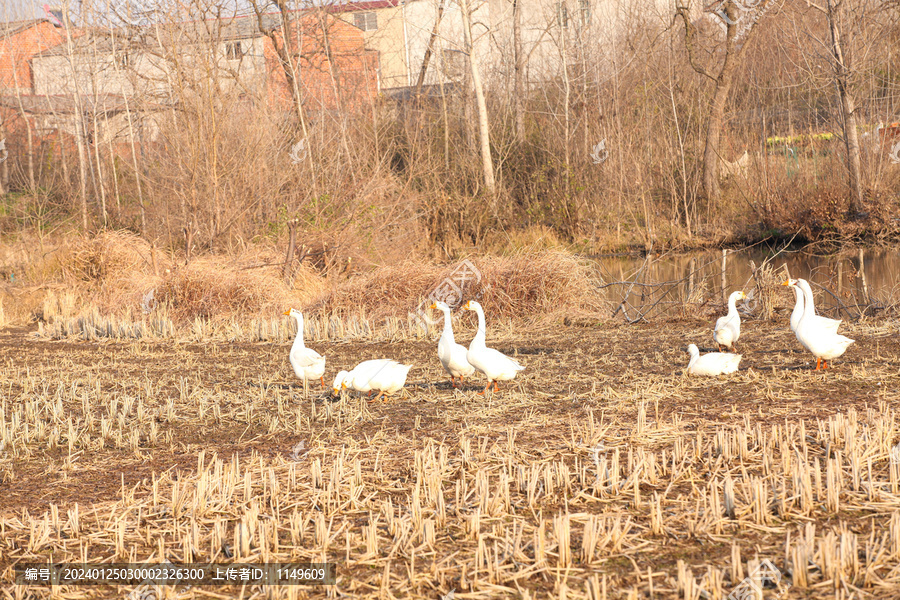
[361, 6]
[223, 30]
[12, 28]
[65, 104]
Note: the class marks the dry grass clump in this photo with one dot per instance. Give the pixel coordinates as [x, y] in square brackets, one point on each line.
[113, 257]
[527, 285]
[250, 285]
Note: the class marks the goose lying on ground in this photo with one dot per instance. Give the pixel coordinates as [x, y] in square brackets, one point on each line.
[712, 364]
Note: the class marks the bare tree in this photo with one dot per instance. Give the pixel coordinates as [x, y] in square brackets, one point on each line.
[739, 28]
[79, 118]
[846, 21]
[487, 163]
[429, 50]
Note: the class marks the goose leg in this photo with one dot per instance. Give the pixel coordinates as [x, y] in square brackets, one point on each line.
[375, 399]
[452, 381]
[818, 363]
[496, 386]
[824, 363]
[322, 379]
[486, 388]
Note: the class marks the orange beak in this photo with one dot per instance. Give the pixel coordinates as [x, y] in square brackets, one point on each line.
[433, 305]
[287, 312]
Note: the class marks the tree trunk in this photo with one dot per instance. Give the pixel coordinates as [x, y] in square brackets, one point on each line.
[519, 73]
[430, 49]
[79, 126]
[714, 133]
[734, 48]
[487, 163]
[848, 112]
[4, 156]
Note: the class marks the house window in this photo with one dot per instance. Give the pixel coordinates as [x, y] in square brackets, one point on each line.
[233, 50]
[367, 21]
[584, 7]
[562, 15]
[454, 66]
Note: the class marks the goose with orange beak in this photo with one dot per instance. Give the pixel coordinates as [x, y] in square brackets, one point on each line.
[817, 336]
[306, 362]
[495, 365]
[382, 375]
[451, 354]
[728, 328]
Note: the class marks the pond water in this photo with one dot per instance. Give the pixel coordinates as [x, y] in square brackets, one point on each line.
[848, 282]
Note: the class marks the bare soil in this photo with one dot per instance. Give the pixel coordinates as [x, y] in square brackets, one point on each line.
[586, 391]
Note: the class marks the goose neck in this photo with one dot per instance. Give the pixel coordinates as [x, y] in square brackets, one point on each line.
[480, 334]
[732, 305]
[798, 302]
[448, 327]
[298, 340]
[808, 308]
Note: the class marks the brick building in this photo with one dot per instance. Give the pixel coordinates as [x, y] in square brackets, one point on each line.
[20, 42]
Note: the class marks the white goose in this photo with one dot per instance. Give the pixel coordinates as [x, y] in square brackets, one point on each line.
[804, 298]
[307, 363]
[451, 354]
[382, 375]
[728, 328]
[712, 364]
[824, 343]
[495, 365]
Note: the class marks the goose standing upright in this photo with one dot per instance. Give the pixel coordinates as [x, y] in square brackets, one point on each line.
[801, 292]
[451, 354]
[307, 363]
[823, 342]
[728, 328]
[495, 365]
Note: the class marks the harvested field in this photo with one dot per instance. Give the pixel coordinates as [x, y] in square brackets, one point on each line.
[601, 472]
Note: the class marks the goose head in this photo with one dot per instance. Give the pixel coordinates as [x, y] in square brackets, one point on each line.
[340, 382]
[471, 305]
[693, 350]
[441, 306]
[294, 313]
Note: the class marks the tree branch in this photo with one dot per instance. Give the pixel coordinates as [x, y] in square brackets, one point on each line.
[683, 12]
